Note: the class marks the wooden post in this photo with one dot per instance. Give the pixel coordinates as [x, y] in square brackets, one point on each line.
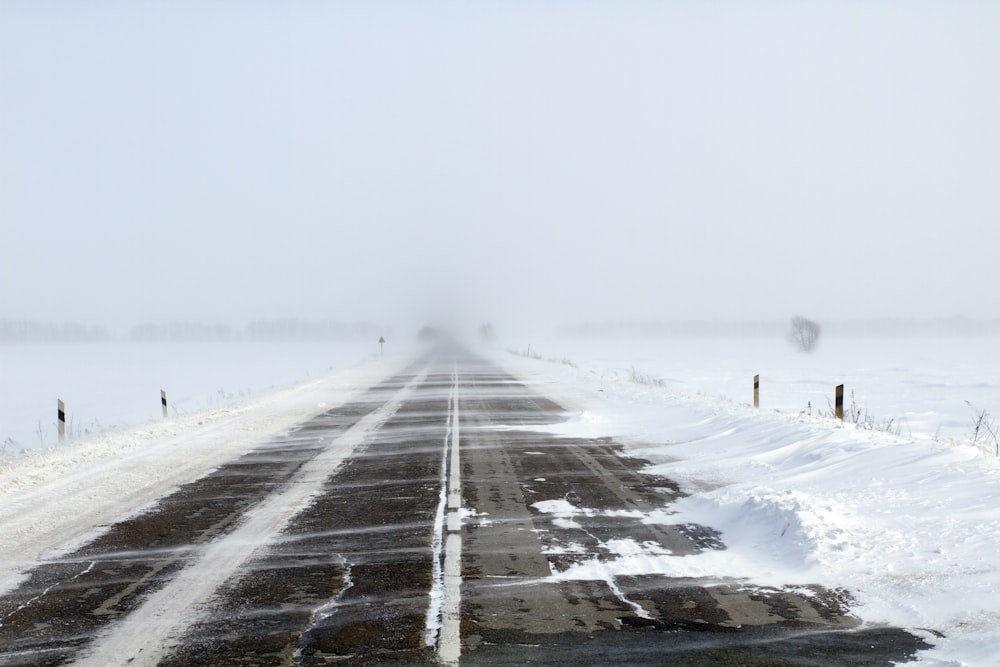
[61, 416]
[756, 391]
[838, 402]
[163, 402]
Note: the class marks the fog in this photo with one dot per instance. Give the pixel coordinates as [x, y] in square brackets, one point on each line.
[527, 163]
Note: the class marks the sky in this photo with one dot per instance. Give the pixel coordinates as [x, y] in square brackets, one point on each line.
[538, 163]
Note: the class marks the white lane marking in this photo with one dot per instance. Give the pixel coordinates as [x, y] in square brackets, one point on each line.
[450, 642]
[433, 625]
[455, 474]
[450, 646]
[443, 613]
[146, 634]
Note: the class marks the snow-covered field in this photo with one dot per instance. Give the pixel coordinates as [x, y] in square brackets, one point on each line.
[111, 385]
[920, 383]
[907, 521]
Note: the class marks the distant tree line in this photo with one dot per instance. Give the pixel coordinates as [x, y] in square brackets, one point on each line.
[28, 331]
[775, 328]
[182, 332]
[293, 329]
[261, 330]
[673, 329]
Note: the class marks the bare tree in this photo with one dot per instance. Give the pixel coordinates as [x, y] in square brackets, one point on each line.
[804, 334]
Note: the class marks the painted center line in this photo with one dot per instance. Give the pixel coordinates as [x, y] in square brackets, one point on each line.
[444, 615]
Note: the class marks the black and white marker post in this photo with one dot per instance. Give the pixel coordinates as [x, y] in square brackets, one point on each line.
[61, 417]
[163, 402]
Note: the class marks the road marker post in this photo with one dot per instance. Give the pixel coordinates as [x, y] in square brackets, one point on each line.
[163, 402]
[61, 417]
[756, 391]
[838, 402]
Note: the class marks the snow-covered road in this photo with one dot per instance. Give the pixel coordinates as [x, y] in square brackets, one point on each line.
[327, 521]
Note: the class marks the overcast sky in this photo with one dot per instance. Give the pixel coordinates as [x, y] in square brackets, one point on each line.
[537, 162]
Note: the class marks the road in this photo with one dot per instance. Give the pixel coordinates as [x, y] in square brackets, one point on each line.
[414, 525]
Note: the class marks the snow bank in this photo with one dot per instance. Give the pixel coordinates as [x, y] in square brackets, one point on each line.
[907, 523]
[109, 386]
[54, 500]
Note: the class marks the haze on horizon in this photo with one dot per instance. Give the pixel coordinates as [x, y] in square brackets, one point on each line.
[537, 163]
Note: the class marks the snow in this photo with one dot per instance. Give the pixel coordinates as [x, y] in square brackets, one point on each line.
[113, 385]
[142, 637]
[908, 521]
[56, 499]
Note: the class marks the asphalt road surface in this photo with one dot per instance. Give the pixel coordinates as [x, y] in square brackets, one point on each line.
[403, 528]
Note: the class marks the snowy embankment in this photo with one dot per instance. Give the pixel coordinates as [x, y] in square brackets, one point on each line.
[109, 386]
[907, 524]
[54, 500]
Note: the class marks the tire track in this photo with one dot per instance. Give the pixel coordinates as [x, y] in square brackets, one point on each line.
[140, 639]
[63, 604]
[350, 579]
